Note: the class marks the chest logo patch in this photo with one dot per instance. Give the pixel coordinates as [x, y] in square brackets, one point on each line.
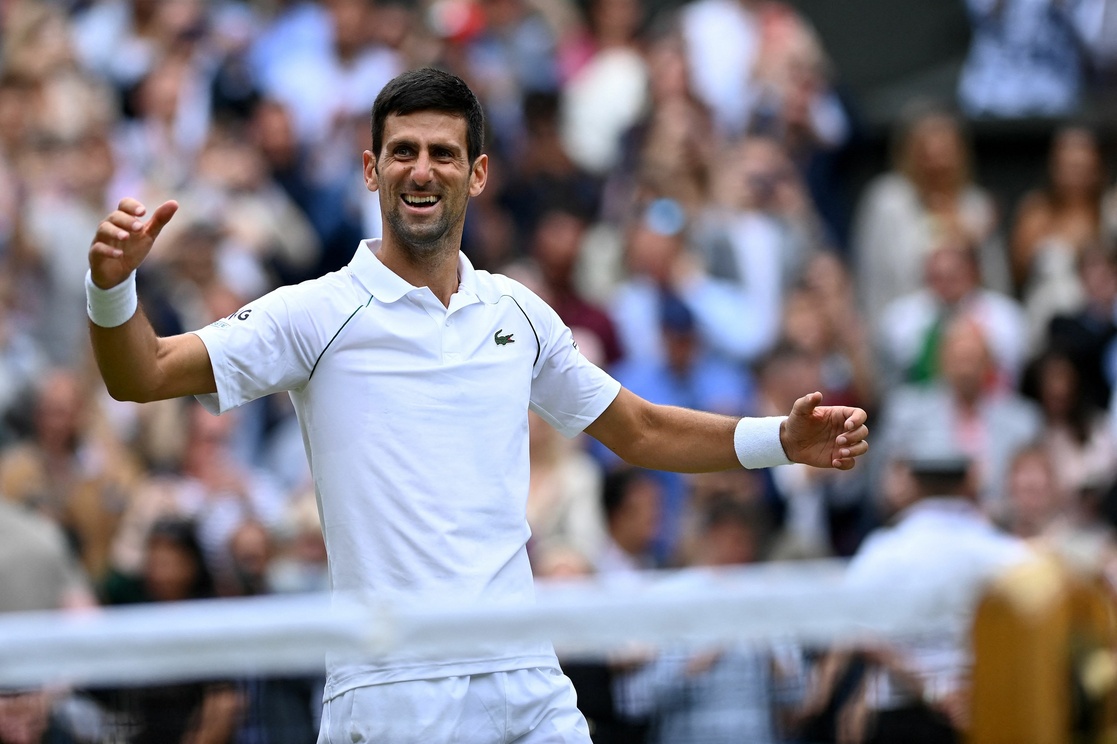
[503, 340]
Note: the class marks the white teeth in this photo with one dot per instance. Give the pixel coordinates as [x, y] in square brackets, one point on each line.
[420, 199]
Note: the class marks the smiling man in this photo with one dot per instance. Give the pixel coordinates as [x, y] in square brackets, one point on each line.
[412, 374]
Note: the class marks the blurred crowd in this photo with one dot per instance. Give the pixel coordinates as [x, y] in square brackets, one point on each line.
[668, 176]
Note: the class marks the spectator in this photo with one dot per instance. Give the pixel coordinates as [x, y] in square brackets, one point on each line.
[1055, 225]
[564, 502]
[338, 220]
[816, 516]
[606, 92]
[985, 423]
[299, 564]
[798, 107]
[276, 709]
[820, 316]
[17, 130]
[1086, 333]
[37, 567]
[210, 486]
[329, 77]
[723, 42]
[1037, 505]
[265, 233]
[662, 262]
[168, 126]
[173, 569]
[669, 151]
[708, 696]
[60, 203]
[928, 197]
[556, 247]
[513, 55]
[197, 274]
[37, 572]
[22, 362]
[70, 469]
[1076, 433]
[689, 374]
[593, 678]
[942, 546]
[122, 41]
[758, 228]
[544, 174]
[632, 501]
[910, 327]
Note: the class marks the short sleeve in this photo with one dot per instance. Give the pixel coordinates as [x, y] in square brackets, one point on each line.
[265, 347]
[567, 390]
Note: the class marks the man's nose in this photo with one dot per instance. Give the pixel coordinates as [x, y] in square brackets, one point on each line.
[421, 170]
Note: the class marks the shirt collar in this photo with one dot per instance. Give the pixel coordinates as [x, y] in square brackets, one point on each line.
[387, 286]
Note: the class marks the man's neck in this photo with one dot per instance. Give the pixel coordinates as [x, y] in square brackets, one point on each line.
[438, 271]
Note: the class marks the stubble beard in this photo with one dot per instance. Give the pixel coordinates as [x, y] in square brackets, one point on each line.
[424, 245]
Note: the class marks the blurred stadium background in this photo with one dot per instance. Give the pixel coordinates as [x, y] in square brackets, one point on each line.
[731, 202]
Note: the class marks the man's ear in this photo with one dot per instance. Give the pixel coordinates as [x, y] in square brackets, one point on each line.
[371, 181]
[479, 175]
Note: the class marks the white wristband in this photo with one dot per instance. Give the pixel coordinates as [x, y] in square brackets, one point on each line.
[111, 307]
[757, 442]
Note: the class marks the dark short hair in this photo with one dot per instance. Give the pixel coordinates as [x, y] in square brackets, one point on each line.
[616, 487]
[429, 89]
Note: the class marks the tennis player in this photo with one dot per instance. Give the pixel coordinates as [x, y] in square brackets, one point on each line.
[412, 374]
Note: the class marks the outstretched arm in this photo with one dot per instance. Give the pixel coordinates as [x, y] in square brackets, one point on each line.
[686, 441]
[134, 362]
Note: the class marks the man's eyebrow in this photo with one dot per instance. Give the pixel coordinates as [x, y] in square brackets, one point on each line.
[448, 145]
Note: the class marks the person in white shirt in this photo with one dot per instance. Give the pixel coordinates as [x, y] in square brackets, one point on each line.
[412, 374]
[943, 551]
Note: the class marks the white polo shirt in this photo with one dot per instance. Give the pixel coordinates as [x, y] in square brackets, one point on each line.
[414, 418]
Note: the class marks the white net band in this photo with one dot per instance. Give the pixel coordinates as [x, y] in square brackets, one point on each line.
[807, 603]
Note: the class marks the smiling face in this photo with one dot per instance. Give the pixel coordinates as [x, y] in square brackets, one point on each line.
[425, 181]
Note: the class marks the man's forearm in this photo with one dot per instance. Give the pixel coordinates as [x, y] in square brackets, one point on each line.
[127, 357]
[135, 363]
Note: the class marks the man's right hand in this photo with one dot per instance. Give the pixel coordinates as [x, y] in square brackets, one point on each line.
[123, 241]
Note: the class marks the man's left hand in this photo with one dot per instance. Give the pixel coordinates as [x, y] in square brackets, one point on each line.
[824, 436]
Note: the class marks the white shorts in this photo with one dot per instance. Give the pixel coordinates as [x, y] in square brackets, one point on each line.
[526, 706]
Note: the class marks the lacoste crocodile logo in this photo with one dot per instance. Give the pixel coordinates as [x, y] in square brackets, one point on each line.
[503, 340]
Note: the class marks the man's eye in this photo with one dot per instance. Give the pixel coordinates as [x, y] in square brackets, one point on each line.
[401, 152]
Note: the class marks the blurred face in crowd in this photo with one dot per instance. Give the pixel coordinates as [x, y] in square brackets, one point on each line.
[1076, 168]
[934, 154]
[206, 447]
[425, 181]
[558, 240]
[615, 21]
[58, 411]
[951, 273]
[250, 550]
[1058, 386]
[273, 131]
[730, 542]
[652, 253]
[804, 322]
[170, 571]
[965, 359]
[1099, 279]
[667, 70]
[789, 375]
[158, 94]
[1033, 493]
[634, 524]
[351, 25]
